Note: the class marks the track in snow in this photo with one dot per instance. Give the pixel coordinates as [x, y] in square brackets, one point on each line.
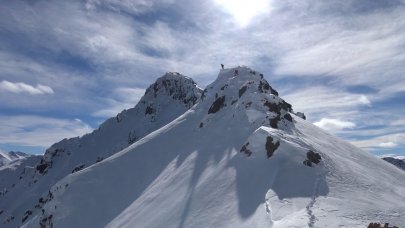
[310, 213]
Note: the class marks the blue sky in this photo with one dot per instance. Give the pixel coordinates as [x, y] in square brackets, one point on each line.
[66, 66]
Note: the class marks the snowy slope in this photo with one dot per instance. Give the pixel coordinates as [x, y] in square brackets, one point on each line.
[400, 163]
[14, 171]
[7, 157]
[170, 96]
[239, 158]
[13, 166]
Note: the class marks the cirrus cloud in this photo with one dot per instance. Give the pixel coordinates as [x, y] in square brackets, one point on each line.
[334, 124]
[387, 145]
[38, 131]
[21, 87]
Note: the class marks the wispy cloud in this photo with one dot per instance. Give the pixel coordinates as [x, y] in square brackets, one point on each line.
[384, 141]
[120, 99]
[334, 124]
[387, 145]
[133, 7]
[39, 131]
[20, 87]
[314, 99]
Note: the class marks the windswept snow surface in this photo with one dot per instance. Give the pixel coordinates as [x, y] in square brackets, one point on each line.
[25, 184]
[236, 159]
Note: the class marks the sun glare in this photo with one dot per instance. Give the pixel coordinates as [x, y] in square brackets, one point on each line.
[244, 11]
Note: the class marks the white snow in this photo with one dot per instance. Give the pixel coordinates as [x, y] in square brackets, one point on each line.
[169, 97]
[8, 157]
[253, 115]
[188, 174]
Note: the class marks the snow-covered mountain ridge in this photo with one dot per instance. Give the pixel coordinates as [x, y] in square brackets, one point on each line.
[400, 163]
[7, 157]
[239, 157]
[167, 98]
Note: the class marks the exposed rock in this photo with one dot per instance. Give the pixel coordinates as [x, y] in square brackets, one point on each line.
[77, 168]
[46, 221]
[42, 167]
[288, 117]
[286, 106]
[301, 115]
[264, 86]
[131, 138]
[395, 161]
[203, 94]
[307, 163]
[270, 146]
[245, 150]
[119, 117]
[378, 225]
[217, 105]
[26, 215]
[242, 90]
[273, 107]
[274, 122]
[312, 157]
[149, 110]
[177, 86]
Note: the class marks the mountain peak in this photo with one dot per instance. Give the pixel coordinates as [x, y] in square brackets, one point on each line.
[242, 75]
[242, 71]
[177, 86]
[244, 91]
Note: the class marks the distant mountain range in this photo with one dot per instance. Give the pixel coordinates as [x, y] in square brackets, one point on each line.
[400, 163]
[7, 157]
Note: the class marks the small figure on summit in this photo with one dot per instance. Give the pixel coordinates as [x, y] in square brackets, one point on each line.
[236, 72]
[222, 65]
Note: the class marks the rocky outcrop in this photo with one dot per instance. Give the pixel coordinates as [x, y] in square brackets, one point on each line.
[217, 105]
[312, 158]
[245, 149]
[271, 146]
[176, 86]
